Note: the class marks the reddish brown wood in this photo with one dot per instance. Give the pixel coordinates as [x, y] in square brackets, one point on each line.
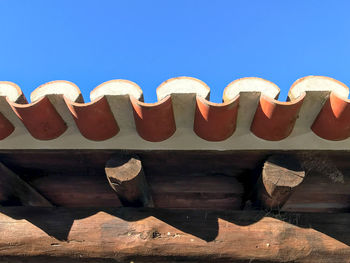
[93, 190]
[125, 235]
[324, 189]
[12, 187]
[126, 177]
[280, 176]
[196, 192]
[77, 177]
[74, 190]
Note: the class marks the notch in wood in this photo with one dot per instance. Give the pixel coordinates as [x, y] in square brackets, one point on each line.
[126, 176]
[280, 176]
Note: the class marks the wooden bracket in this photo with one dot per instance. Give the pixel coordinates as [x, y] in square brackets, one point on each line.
[125, 175]
[13, 186]
[280, 175]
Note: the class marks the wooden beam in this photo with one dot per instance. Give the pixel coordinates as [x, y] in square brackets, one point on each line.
[151, 235]
[14, 189]
[280, 176]
[213, 191]
[325, 188]
[125, 175]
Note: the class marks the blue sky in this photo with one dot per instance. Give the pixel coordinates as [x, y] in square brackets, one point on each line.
[89, 42]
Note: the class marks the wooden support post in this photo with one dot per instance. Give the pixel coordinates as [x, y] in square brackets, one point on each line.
[126, 177]
[12, 187]
[280, 175]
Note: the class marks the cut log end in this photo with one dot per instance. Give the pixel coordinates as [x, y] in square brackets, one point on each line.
[126, 177]
[123, 168]
[281, 174]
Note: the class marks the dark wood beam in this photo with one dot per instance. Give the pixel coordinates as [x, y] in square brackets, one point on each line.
[13, 187]
[280, 176]
[213, 191]
[125, 175]
[55, 173]
[151, 235]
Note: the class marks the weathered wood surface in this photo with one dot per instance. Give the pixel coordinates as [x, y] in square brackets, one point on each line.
[76, 190]
[279, 178]
[126, 177]
[197, 192]
[90, 190]
[149, 235]
[77, 178]
[174, 162]
[12, 187]
[322, 193]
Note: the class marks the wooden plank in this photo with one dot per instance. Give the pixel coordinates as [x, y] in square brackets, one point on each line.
[201, 191]
[77, 177]
[93, 190]
[160, 162]
[280, 176]
[125, 175]
[173, 162]
[76, 190]
[12, 187]
[151, 235]
[321, 192]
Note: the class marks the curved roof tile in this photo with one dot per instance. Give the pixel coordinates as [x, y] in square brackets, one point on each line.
[316, 116]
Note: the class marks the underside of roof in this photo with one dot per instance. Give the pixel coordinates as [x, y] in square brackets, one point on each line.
[251, 178]
[180, 179]
[207, 206]
[316, 117]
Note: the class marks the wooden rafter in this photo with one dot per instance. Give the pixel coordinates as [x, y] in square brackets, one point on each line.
[13, 186]
[280, 176]
[125, 175]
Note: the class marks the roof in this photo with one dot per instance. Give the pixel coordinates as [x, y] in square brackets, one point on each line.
[250, 117]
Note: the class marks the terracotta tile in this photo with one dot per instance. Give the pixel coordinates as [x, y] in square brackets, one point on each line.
[154, 121]
[94, 120]
[333, 122]
[6, 127]
[183, 85]
[41, 119]
[274, 120]
[184, 100]
[215, 121]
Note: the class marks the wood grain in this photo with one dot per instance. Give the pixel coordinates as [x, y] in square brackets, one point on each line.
[126, 177]
[151, 235]
[77, 178]
[279, 178]
[201, 191]
[13, 187]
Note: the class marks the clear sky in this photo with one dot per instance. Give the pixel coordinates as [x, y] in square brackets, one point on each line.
[89, 42]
